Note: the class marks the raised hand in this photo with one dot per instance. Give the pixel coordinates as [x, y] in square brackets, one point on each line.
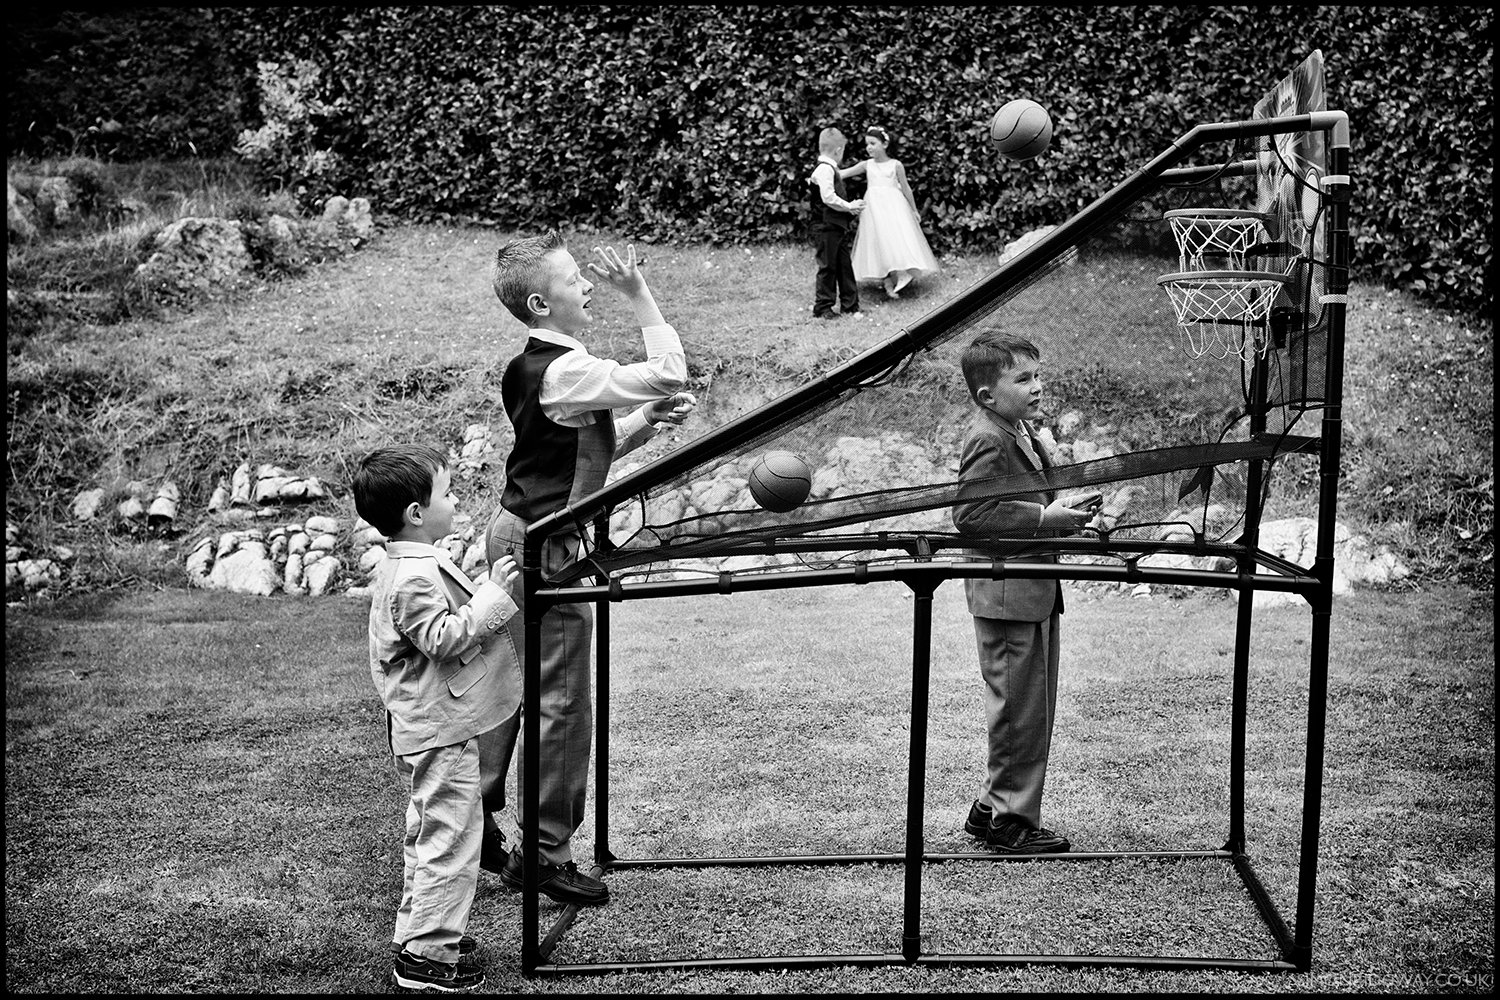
[621, 272]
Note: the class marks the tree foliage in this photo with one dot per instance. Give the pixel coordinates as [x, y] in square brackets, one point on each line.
[699, 122]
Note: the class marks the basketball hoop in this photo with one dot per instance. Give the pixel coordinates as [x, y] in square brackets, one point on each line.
[1224, 312]
[1214, 233]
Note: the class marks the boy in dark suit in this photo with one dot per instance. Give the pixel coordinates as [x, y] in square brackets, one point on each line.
[1015, 620]
[833, 230]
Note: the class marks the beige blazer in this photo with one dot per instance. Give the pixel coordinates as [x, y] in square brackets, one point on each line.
[990, 450]
[440, 653]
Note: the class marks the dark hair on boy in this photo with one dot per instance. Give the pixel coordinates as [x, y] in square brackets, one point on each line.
[517, 267]
[391, 479]
[990, 354]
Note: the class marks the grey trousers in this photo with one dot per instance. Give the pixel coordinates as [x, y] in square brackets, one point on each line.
[567, 716]
[1018, 661]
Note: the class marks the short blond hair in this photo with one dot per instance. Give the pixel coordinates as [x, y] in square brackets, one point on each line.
[829, 140]
[520, 268]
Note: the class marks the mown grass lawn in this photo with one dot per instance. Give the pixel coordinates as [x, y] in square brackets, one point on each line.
[199, 798]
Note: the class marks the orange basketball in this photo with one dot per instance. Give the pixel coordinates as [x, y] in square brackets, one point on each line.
[1020, 130]
[780, 481]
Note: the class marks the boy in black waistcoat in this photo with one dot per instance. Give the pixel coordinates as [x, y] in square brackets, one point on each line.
[563, 402]
[833, 230]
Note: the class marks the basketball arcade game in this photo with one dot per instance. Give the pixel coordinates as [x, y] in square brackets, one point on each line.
[1258, 298]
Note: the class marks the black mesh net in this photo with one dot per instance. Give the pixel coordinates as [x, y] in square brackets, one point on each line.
[1168, 434]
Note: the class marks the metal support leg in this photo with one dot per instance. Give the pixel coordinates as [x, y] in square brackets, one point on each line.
[916, 781]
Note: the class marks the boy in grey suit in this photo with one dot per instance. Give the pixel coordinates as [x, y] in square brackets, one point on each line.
[442, 659]
[1015, 620]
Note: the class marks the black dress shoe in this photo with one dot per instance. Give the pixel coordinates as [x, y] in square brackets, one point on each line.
[1016, 836]
[493, 851]
[978, 822]
[564, 883]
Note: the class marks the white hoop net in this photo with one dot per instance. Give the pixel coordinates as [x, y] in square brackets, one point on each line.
[1223, 312]
[1219, 235]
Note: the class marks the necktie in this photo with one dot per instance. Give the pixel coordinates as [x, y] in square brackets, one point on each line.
[1023, 438]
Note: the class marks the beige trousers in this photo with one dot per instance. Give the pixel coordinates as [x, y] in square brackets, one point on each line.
[444, 826]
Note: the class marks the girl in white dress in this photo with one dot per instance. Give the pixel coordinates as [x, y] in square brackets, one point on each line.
[889, 246]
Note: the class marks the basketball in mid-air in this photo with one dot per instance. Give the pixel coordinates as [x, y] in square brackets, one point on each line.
[1020, 130]
[780, 481]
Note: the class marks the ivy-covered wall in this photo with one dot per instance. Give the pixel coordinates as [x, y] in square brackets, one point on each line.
[701, 121]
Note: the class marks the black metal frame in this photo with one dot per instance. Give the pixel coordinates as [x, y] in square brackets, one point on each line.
[923, 575]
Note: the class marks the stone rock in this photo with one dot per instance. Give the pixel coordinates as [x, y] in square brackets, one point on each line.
[36, 574]
[368, 535]
[281, 237]
[196, 258]
[1049, 442]
[346, 218]
[478, 448]
[86, 504]
[131, 510]
[476, 560]
[246, 570]
[333, 210]
[1027, 240]
[199, 561]
[220, 499]
[321, 524]
[370, 558]
[57, 201]
[358, 219]
[20, 215]
[163, 509]
[1355, 560]
[241, 486]
[324, 543]
[292, 575]
[320, 574]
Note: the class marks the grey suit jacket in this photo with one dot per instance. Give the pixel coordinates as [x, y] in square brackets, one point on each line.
[990, 450]
[440, 654]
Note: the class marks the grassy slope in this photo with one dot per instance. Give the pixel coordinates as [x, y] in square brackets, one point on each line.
[405, 341]
[198, 796]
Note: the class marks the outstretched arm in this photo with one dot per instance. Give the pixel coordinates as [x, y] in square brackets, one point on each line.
[854, 171]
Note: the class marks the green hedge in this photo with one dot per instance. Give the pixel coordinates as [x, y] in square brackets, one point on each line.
[122, 83]
[700, 122]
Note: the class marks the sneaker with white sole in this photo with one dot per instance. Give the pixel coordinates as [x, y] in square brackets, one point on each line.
[413, 972]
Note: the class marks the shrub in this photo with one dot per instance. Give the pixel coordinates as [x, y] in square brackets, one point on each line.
[289, 148]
